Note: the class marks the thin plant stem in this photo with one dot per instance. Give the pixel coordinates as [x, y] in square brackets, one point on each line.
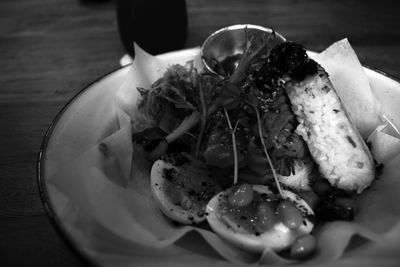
[278, 185]
[204, 116]
[235, 157]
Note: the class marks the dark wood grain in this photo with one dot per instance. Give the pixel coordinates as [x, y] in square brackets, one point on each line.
[50, 49]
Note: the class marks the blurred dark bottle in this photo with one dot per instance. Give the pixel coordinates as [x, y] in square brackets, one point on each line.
[157, 26]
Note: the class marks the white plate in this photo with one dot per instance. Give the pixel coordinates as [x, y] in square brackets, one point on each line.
[76, 128]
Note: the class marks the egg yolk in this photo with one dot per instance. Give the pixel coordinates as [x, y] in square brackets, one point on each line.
[256, 217]
[250, 211]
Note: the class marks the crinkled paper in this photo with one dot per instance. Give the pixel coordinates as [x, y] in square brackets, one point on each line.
[108, 208]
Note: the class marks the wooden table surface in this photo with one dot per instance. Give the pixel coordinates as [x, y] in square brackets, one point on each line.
[51, 49]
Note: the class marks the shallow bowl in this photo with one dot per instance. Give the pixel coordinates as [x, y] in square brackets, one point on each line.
[230, 42]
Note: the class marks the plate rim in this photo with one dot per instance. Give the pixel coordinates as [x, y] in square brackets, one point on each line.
[41, 183]
[56, 222]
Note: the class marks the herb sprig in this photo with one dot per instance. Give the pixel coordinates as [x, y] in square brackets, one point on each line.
[254, 50]
[197, 96]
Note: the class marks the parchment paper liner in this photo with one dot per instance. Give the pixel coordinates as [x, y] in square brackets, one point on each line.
[107, 200]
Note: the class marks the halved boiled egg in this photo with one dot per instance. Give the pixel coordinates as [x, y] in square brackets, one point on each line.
[182, 186]
[253, 218]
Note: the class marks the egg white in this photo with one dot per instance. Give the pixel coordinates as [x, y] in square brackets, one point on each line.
[194, 173]
[278, 238]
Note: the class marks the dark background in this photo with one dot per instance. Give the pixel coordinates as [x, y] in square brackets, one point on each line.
[51, 49]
